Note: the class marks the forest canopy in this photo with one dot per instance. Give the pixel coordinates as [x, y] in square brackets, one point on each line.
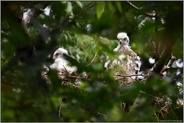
[32, 31]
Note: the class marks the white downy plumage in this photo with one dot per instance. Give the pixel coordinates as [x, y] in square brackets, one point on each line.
[128, 60]
[60, 63]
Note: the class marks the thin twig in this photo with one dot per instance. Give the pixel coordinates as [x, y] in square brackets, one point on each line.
[171, 60]
[65, 70]
[169, 64]
[174, 80]
[156, 116]
[92, 59]
[130, 75]
[148, 94]
[135, 101]
[88, 6]
[77, 77]
[135, 7]
[60, 103]
[163, 52]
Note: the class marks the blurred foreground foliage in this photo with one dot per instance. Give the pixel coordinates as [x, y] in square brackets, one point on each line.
[153, 27]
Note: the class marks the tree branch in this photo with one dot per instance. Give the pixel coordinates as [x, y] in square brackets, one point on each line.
[92, 59]
[130, 75]
[169, 64]
[135, 7]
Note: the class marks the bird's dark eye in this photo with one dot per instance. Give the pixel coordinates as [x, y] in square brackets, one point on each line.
[57, 54]
[65, 55]
[124, 39]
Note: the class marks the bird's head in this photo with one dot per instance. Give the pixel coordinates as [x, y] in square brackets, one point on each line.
[60, 53]
[123, 38]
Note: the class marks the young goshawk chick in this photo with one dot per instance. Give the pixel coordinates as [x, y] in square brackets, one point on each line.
[127, 64]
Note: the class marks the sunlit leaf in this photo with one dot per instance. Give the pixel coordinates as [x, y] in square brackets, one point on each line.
[118, 5]
[79, 4]
[110, 5]
[69, 8]
[100, 8]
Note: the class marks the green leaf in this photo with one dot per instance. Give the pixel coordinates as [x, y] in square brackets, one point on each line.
[69, 8]
[100, 9]
[118, 5]
[110, 5]
[58, 9]
[79, 4]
